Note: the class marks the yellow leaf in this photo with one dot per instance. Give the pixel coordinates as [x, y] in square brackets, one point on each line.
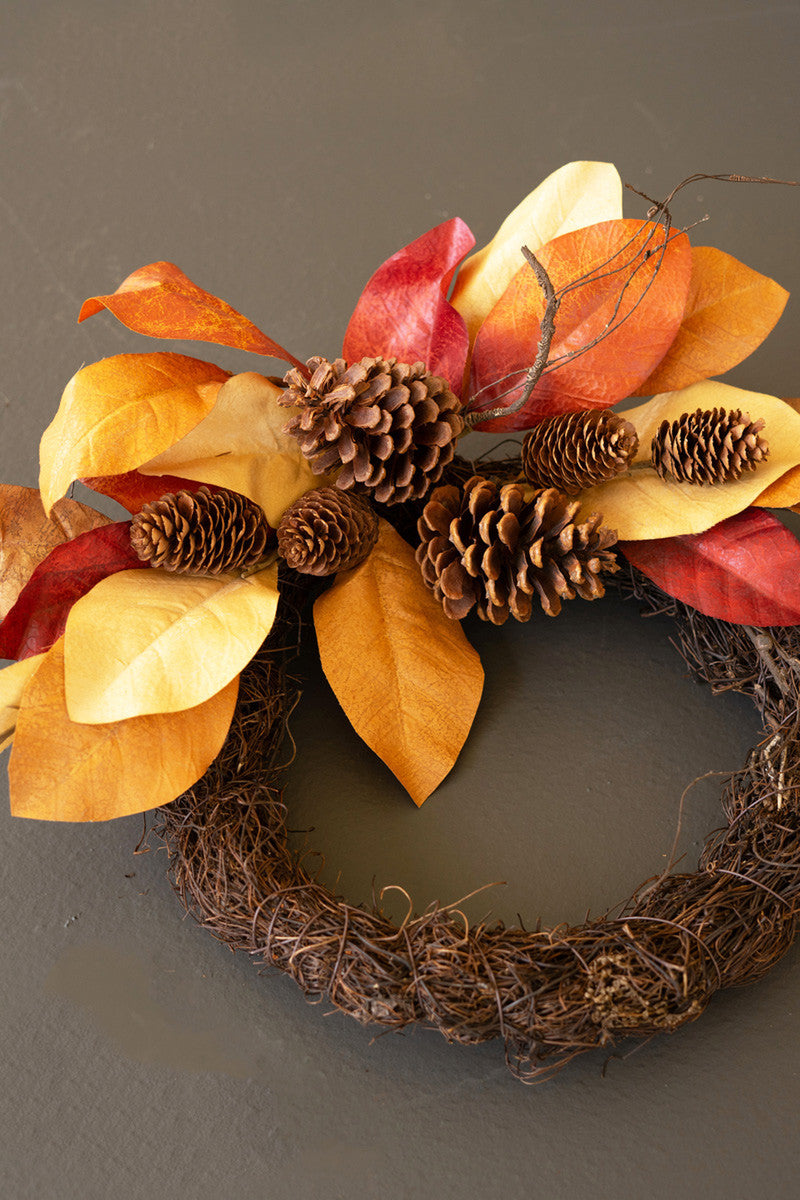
[13, 680]
[61, 771]
[403, 672]
[640, 505]
[784, 492]
[115, 413]
[27, 535]
[150, 642]
[576, 195]
[241, 445]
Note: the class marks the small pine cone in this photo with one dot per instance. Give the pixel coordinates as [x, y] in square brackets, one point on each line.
[391, 427]
[201, 532]
[496, 551]
[327, 531]
[577, 450]
[711, 446]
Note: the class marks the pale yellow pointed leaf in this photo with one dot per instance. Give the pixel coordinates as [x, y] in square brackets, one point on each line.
[117, 412]
[62, 771]
[241, 445]
[13, 680]
[784, 492]
[27, 535]
[576, 195]
[640, 505]
[403, 672]
[150, 641]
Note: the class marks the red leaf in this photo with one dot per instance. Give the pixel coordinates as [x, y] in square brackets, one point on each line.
[160, 301]
[133, 490]
[645, 316]
[403, 311]
[39, 617]
[745, 570]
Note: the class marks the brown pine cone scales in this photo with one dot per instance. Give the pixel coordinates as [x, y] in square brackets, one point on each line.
[711, 446]
[496, 551]
[327, 531]
[203, 532]
[577, 450]
[391, 427]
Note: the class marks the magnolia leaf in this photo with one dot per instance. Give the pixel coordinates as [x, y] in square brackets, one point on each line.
[403, 672]
[160, 301]
[133, 490]
[745, 570]
[241, 445]
[403, 311]
[27, 535]
[784, 492]
[729, 312]
[576, 195]
[118, 412]
[150, 641]
[62, 771]
[13, 680]
[631, 307]
[641, 505]
[39, 617]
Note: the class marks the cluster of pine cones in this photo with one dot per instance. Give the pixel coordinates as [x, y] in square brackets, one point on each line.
[389, 430]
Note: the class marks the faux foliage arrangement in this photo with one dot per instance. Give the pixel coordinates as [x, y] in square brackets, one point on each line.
[149, 654]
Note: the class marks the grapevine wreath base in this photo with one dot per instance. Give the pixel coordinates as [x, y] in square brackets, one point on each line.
[551, 994]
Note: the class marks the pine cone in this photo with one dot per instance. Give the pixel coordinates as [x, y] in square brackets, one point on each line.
[711, 446]
[327, 531]
[577, 450]
[200, 532]
[389, 426]
[496, 551]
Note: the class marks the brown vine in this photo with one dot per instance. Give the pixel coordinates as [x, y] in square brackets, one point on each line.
[550, 994]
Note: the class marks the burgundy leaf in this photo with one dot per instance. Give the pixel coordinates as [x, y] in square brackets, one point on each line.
[39, 617]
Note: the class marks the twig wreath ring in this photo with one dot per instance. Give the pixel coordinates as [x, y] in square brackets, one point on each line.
[152, 655]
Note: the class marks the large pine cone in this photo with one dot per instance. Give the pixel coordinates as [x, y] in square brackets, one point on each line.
[327, 531]
[711, 446]
[391, 427]
[577, 450]
[201, 532]
[496, 551]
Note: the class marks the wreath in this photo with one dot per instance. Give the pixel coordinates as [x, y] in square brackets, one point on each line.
[152, 655]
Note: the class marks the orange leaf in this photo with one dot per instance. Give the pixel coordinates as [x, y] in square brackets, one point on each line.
[119, 412]
[637, 289]
[160, 301]
[403, 672]
[61, 771]
[784, 492]
[27, 535]
[730, 311]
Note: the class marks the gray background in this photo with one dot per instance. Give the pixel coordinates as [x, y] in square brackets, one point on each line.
[278, 152]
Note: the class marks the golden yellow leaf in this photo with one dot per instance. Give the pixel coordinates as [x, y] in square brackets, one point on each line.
[62, 771]
[150, 642]
[115, 413]
[27, 535]
[784, 492]
[13, 680]
[403, 672]
[241, 445]
[640, 505]
[576, 195]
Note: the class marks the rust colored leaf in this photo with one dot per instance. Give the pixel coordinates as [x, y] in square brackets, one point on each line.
[27, 535]
[745, 570]
[61, 771]
[39, 617]
[404, 313]
[730, 311]
[637, 288]
[403, 672]
[132, 489]
[160, 301]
